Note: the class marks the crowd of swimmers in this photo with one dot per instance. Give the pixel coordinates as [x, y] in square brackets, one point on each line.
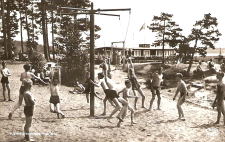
[106, 82]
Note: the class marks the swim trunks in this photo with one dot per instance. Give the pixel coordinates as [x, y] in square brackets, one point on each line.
[28, 110]
[107, 93]
[113, 94]
[54, 100]
[22, 89]
[5, 80]
[135, 84]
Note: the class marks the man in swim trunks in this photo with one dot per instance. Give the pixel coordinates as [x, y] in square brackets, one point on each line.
[156, 88]
[5, 81]
[219, 100]
[25, 75]
[182, 89]
[104, 86]
[126, 96]
[29, 107]
[54, 99]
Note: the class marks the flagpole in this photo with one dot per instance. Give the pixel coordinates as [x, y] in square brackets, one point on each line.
[144, 33]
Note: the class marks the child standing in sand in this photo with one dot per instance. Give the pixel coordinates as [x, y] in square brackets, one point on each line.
[25, 75]
[126, 96]
[136, 86]
[156, 88]
[5, 81]
[182, 89]
[54, 99]
[29, 107]
[219, 100]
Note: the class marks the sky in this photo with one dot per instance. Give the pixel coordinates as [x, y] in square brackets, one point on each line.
[127, 28]
[185, 13]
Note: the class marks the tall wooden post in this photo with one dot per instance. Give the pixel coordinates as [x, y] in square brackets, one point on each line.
[92, 61]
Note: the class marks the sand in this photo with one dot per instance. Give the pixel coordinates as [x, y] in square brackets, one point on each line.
[159, 126]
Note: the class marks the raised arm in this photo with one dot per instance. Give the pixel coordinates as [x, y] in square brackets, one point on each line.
[95, 84]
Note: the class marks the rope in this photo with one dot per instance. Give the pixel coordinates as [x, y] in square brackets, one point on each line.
[127, 28]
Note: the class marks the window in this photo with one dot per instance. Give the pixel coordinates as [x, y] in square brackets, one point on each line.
[147, 53]
[137, 53]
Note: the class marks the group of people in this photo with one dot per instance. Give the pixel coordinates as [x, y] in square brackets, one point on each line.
[25, 93]
[105, 81]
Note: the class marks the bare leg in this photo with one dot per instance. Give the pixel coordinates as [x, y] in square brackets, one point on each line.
[118, 107]
[218, 115]
[180, 110]
[159, 99]
[59, 111]
[223, 112]
[27, 127]
[96, 95]
[8, 88]
[3, 89]
[52, 108]
[87, 97]
[104, 104]
[16, 106]
[135, 100]
[143, 97]
[152, 100]
[132, 115]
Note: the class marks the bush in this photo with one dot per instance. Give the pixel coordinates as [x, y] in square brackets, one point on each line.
[37, 61]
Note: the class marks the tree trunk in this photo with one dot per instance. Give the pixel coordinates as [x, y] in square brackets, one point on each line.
[53, 48]
[9, 39]
[47, 42]
[28, 31]
[44, 30]
[4, 30]
[163, 61]
[192, 57]
[21, 31]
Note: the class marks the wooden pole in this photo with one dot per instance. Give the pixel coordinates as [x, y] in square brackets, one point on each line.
[92, 61]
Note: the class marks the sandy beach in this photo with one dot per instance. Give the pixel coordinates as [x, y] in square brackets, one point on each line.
[157, 126]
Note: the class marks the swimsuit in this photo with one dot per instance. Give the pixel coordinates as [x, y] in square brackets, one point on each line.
[107, 93]
[28, 110]
[54, 100]
[113, 94]
[5, 80]
[22, 89]
[135, 84]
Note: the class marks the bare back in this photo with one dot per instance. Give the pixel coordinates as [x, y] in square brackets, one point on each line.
[103, 84]
[26, 75]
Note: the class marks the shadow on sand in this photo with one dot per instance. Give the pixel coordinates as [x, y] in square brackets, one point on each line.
[167, 121]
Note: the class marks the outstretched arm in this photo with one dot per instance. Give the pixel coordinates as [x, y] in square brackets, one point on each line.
[95, 84]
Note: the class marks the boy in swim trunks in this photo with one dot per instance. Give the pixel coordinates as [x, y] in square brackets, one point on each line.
[182, 89]
[5, 81]
[156, 88]
[219, 100]
[104, 86]
[54, 99]
[136, 86]
[29, 107]
[25, 75]
[126, 96]
[88, 88]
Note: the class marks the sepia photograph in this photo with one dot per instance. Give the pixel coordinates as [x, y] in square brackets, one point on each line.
[112, 71]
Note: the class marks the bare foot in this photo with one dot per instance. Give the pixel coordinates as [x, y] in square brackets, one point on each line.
[182, 118]
[150, 109]
[132, 123]
[103, 113]
[63, 116]
[144, 107]
[119, 118]
[108, 119]
[10, 100]
[216, 122]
